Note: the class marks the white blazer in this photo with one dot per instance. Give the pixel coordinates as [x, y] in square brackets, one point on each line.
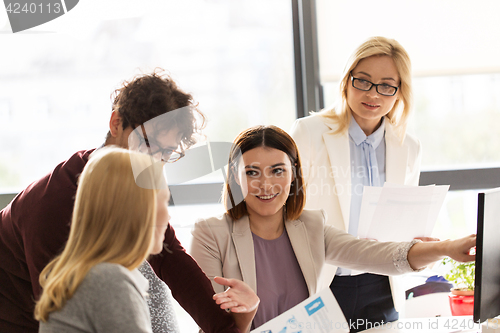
[326, 166]
[224, 247]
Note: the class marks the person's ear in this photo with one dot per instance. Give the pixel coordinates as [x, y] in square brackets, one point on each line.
[115, 124]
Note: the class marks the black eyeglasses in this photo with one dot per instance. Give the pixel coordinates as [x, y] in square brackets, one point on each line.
[365, 85]
[151, 147]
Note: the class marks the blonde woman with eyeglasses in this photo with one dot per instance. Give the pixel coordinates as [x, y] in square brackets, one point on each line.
[361, 141]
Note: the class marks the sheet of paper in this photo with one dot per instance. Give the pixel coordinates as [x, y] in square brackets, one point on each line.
[400, 213]
[319, 313]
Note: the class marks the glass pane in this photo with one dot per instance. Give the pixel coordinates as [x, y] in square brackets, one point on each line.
[234, 56]
[457, 119]
[465, 40]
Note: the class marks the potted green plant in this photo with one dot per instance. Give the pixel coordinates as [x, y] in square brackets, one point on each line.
[462, 296]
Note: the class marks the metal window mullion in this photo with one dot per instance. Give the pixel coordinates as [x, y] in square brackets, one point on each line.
[309, 96]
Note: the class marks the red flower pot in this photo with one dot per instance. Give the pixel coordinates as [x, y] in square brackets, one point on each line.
[462, 304]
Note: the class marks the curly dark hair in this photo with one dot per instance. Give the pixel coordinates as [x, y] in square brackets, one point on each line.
[147, 96]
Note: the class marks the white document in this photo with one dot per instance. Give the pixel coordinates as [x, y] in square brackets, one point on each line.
[319, 313]
[400, 213]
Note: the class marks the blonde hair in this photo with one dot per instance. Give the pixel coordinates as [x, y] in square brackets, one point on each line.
[398, 115]
[113, 221]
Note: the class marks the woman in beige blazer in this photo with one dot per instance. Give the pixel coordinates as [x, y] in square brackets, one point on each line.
[267, 240]
[374, 106]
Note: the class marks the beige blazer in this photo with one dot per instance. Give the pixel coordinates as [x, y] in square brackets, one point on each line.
[224, 247]
[326, 165]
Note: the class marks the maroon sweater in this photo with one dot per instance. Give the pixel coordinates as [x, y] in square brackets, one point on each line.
[34, 228]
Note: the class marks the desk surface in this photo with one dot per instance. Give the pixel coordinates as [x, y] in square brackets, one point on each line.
[463, 324]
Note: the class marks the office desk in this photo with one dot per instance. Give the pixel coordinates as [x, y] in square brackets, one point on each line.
[463, 324]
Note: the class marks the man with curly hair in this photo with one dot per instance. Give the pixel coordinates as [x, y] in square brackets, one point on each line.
[35, 226]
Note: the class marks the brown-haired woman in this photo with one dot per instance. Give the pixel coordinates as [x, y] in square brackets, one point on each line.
[267, 240]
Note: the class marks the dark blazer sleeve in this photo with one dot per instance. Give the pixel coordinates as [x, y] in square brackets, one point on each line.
[33, 229]
[42, 214]
[190, 286]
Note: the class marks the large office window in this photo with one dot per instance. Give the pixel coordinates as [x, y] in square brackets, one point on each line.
[457, 119]
[234, 56]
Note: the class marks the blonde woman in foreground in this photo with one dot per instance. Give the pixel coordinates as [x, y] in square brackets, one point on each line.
[94, 285]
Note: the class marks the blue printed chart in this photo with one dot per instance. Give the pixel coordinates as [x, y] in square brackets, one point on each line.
[320, 313]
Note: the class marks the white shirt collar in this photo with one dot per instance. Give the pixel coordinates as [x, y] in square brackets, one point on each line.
[358, 136]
